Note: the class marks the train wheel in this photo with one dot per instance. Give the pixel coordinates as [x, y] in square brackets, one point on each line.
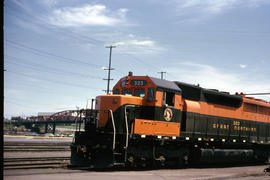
[173, 162]
[142, 163]
[160, 162]
[78, 159]
[130, 161]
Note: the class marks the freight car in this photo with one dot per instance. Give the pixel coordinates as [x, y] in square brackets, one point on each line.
[154, 122]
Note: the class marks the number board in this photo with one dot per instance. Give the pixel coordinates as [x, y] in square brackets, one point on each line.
[138, 82]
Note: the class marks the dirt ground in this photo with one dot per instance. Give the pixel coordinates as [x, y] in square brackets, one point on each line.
[231, 173]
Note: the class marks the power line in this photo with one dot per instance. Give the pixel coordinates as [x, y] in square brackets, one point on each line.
[26, 101]
[35, 66]
[19, 104]
[69, 60]
[43, 55]
[176, 78]
[54, 81]
[64, 60]
[153, 67]
[31, 88]
[41, 22]
[46, 54]
[44, 22]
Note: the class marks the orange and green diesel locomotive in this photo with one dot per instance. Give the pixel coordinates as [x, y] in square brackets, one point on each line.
[149, 121]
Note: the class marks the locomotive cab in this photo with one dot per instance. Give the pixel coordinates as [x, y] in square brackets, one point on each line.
[129, 93]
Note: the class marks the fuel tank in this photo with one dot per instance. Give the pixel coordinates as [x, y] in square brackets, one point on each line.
[226, 155]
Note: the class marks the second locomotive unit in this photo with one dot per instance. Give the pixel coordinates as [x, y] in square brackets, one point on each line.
[149, 121]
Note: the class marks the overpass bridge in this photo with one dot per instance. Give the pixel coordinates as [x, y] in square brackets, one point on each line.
[49, 123]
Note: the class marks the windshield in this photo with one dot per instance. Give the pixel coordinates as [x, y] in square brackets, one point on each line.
[127, 92]
[139, 92]
[116, 91]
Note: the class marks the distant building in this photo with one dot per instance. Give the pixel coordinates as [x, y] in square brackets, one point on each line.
[45, 113]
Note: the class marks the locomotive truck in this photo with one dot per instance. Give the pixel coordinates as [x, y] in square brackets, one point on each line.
[148, 121]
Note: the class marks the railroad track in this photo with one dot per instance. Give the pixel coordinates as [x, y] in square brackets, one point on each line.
[36, 147]
[38, 162]
[36, 143]
[17, 152]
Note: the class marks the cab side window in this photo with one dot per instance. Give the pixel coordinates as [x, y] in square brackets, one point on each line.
[151, 93]
[168, 98]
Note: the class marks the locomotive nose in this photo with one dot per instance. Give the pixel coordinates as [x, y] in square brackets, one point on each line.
[104, 104]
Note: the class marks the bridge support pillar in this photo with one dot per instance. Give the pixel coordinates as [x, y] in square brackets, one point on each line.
[46, 128]
[54, 127]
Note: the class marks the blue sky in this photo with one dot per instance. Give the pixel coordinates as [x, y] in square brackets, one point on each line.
[55, 55]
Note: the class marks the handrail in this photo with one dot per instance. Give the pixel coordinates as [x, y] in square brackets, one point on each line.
[76, 120]
[114, 131]
[127, 124]
[127, 130]
[80, 121]
[76, 127]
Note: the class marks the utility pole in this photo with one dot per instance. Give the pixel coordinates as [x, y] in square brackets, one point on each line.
[161, 73]
[109, 69]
